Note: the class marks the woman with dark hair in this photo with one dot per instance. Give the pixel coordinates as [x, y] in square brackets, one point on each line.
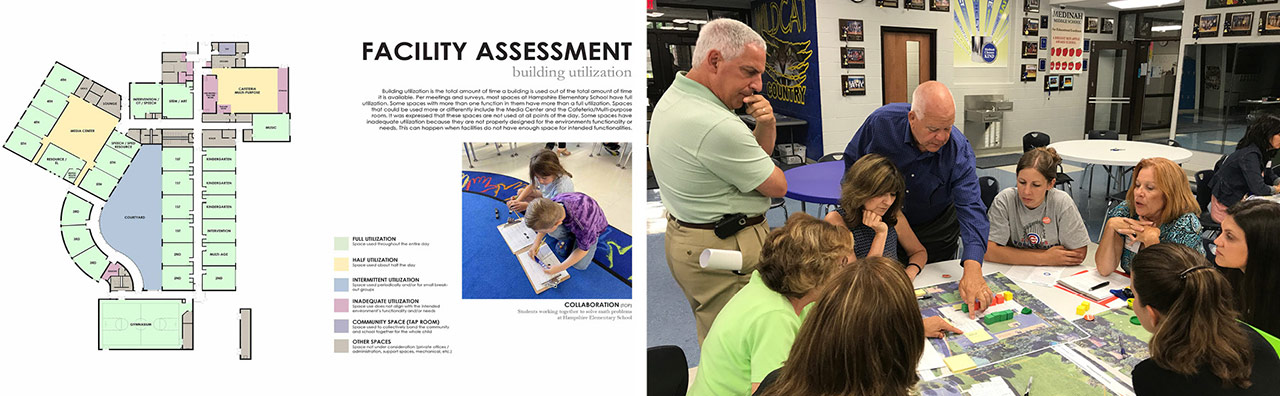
[1034, 223]
[1247, 171]
[1250, 242]
[1158, 208]
[870, 209]
[862, 337]
[1197, 345]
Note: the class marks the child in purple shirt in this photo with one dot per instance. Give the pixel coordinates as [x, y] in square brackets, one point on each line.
[567, 215]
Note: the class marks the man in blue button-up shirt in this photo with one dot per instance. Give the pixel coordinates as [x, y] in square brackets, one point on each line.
[943, 200]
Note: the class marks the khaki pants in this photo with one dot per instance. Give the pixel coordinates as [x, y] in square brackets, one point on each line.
[709, 290]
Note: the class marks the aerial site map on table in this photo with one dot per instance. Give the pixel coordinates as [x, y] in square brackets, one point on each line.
[1056, 371]
[1020, 337]
[987, 340]
[1115, 341]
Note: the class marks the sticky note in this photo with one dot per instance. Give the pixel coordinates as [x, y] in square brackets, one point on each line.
[341, 263]
[977, 336]
[959, 363]
[919, 292]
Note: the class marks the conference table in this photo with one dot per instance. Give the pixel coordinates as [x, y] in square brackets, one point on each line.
[1117, 154]
[1062, 302]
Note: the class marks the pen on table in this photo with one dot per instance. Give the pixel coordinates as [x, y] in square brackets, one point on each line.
[1100, 285]
[1028, 391]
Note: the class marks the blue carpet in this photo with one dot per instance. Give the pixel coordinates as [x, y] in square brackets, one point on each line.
[490, 271]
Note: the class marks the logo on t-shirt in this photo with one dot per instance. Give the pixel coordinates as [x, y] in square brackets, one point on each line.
[1032, 236]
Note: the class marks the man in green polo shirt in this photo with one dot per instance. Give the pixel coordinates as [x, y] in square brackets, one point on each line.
[709, 165]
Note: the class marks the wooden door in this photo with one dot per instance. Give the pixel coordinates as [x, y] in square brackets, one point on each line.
[909, 57]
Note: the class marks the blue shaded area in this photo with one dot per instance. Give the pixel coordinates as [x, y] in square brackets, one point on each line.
[613, 250]
[489, 270]
[131, 218]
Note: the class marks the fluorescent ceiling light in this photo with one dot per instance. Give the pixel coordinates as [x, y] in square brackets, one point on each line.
[680, 20]
[681, 28]
[1166, 28]
[698, 22]
[655, 14]
[1130, 4]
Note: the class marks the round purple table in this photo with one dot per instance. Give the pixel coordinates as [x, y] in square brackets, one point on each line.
[817, 183]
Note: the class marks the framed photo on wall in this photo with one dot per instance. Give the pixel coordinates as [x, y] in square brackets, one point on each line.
[1050, 83]
[1044, 43]
[854, 84]
[1067, 82]
[1031, 6]
[1269, 23]
[853, 58]
[1030, 26]
[1108, 26]
[914, 5]
[940, 5]
[1043, 65]
[1238, 24]
[1206, 25]
[1044, 22]
[1028, 73]
[1235, 3]
[1029, 50]
[1091, 24]
[850, 30]
[887, 3]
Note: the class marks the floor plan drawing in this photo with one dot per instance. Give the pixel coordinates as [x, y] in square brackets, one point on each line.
[149, 214]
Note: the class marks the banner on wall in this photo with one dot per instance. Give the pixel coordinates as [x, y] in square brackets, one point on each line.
[790, 78]
[981, 32]
[1066, 47]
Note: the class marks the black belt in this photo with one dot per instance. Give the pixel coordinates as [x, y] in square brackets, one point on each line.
[750, 221]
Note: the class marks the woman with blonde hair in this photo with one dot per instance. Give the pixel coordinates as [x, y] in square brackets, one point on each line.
[1158, 208]
[752, 334]
[1197, 345]
[862, 337]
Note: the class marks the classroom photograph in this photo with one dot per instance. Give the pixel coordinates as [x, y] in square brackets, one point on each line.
[1086, 206]
[546, 220]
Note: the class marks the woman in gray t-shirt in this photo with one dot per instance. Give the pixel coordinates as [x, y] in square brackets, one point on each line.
[1033, 223]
